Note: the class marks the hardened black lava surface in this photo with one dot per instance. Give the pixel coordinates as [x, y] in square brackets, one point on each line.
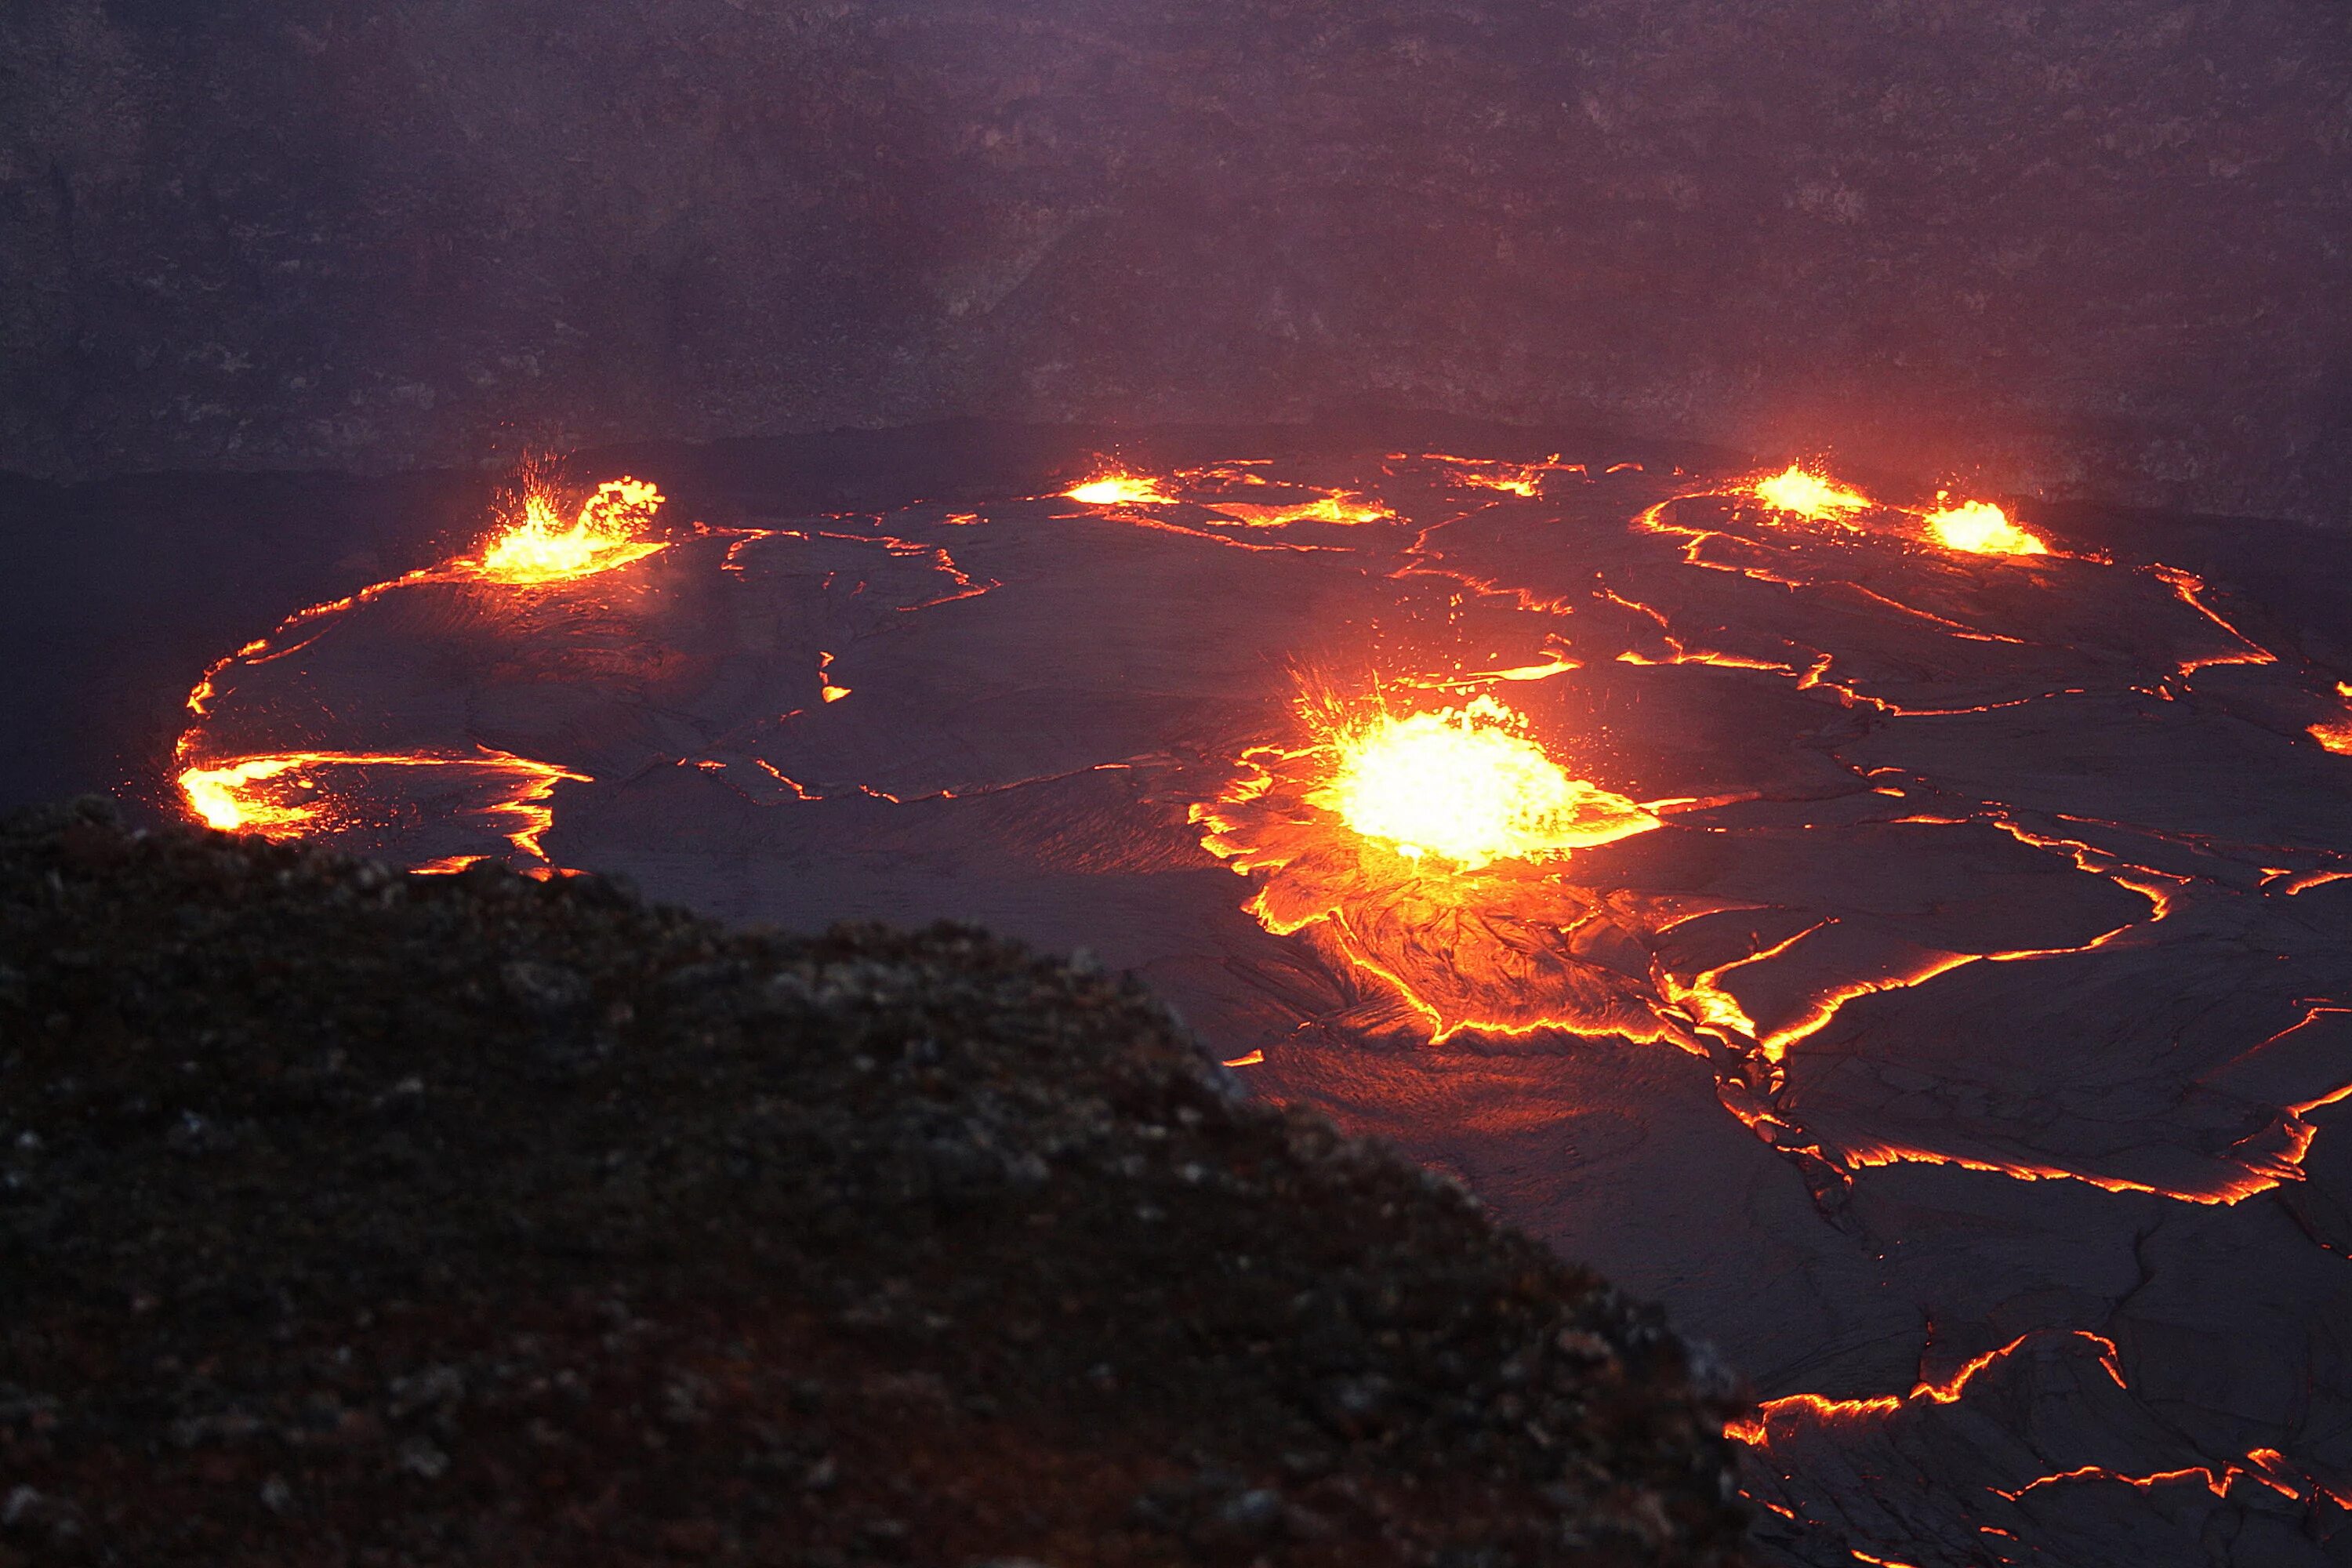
[348, 1217]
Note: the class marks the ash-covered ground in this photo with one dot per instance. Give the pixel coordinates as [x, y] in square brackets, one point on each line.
[1959, 1049]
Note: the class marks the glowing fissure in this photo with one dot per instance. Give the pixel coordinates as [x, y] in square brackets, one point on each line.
[1755, 1431]
[801, 791]
[1783, 1418]
[2266, 1467]
[279, 796]
[2191, 590]
[1680, 1008]
[1524, 480]
[1204, 486]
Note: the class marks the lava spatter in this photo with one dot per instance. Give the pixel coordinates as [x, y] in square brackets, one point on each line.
[1466, 786]
[1803, 492]
[537, 544]
[1981, 527]
[1120, 488]
[1427, 848]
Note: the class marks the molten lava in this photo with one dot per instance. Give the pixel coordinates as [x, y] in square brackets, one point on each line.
[1889, 799]
[1797, 489]
[1424, 851]
[2336, 734]
[1468, 785]
[537, 546]
[1208, 487]
[1981, 527]
[284, 795]
[1120, 489]
[1337, 507]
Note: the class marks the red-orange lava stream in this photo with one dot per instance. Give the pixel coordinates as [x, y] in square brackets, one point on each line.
[1803, 1416]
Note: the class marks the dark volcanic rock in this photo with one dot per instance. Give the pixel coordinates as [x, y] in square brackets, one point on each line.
[347, 1215]
[2093, 249]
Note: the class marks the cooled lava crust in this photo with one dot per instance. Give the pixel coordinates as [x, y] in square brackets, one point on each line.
[358, 1217]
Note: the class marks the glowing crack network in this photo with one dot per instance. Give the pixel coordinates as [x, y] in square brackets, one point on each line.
[1862, 802]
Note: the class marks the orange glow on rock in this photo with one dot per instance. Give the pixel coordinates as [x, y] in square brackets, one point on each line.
[1468, 786]
[1797, 489]
[1981, 527]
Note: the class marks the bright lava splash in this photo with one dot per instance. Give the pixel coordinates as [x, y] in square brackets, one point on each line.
[538, 546]
[1465, 786]
[1981, 527]
[1799, 489]
[1973, 527]
[1120, 489]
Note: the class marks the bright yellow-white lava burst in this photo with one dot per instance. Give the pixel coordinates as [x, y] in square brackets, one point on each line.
[1981, 527]
[1120, 490]
[1807, 494]
[1468, 785]
[539, 546]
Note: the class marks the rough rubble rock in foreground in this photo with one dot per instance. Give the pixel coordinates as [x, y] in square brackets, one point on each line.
[349, 1216]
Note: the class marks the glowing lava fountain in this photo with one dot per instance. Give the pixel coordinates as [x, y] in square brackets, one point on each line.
[1424, 850]
[1119, 490]
[1468, 785]
[1807, 494]
[539, 546]
[1981, 527]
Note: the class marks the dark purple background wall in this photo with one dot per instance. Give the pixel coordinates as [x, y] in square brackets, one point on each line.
[2092, 249]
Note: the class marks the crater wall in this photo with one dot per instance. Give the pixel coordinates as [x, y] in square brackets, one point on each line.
[2089, 250]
